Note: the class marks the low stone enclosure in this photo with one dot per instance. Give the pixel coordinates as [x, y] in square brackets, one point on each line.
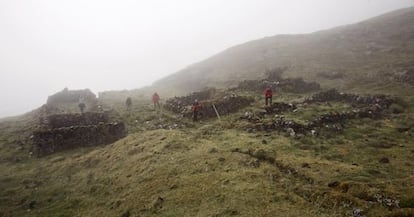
[67, 131]
[276, 82]
[291, 85]
[372, 107]
[209, 99]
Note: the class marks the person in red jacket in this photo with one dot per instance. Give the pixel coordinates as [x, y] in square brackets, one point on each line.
[156, 100]
[268, 96]
[196, 109]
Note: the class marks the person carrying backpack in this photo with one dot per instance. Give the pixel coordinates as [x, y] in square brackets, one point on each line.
[268, 93]
[196, 109]
[156, 100]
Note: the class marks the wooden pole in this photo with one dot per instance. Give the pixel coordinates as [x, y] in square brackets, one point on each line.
[215, 109]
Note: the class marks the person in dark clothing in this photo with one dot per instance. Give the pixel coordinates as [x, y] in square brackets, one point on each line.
[156, 100]
[82, 107]
[268, 96]
[128, 103]
[196, 109]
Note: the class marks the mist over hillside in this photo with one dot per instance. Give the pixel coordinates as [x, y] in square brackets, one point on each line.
[375, 50]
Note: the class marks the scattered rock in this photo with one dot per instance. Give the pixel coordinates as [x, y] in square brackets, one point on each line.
[384, 160]
[291, 132]
[32, 204]
[156, 204]
[306, 165]
[260, 154]
[334, 184]
[213, 150]
[221, 159]
[264, 142]
[126, 214]
[173, 186]
[357, 212]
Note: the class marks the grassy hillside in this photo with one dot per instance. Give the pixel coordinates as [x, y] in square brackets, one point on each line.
[244, 164]
[373, 51]
[218, 168]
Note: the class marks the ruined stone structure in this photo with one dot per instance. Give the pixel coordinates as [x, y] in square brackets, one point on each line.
[67, 120]
[225, 104]
[69, 101]
[179, 104]
[291, 85]
[71, 96]
[334, 95]
[67, 131]
[372, 107]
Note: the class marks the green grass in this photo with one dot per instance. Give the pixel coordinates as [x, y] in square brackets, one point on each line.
[204, 169]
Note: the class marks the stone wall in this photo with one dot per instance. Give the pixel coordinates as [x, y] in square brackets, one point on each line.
[334, 95]
[68, 131]
[68, 120]
[291, 85]
[64, 138]
[224, 105]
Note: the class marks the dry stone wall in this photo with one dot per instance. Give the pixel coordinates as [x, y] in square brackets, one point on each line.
[68, 131]
[224, 104]
[65, 138]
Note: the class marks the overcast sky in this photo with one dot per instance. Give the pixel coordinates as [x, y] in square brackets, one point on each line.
[47, 45]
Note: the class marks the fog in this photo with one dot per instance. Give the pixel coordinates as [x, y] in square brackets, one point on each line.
[47, 45]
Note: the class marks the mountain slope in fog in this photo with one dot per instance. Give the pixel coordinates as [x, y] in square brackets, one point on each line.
[377, 50]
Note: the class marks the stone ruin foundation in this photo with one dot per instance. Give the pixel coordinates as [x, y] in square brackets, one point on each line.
[68, 131]
[372, 107]
[225, 104]
[291, 85]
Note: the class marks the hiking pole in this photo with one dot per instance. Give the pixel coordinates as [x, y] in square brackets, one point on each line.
[218, 115]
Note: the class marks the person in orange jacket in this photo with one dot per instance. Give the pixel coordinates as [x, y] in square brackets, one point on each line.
[268, 96]
[156, 100]
[196, 109]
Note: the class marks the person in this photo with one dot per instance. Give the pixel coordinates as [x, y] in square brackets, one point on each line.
[82, 107]
[196, 109]
[128, 103]
[268, 95]
[156, 100]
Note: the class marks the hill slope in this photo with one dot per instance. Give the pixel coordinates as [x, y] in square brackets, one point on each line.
[376, 49]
